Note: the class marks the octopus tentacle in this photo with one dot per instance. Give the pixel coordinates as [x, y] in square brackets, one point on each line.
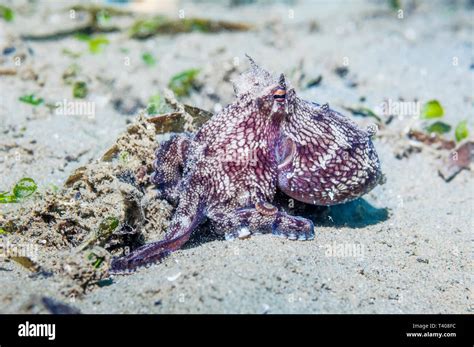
[263, 218]
[170, 159]
[188, 215]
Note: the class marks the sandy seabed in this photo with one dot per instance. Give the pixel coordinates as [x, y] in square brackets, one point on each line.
[406, 247]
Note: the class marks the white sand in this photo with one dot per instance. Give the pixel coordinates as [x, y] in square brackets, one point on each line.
[417, 260]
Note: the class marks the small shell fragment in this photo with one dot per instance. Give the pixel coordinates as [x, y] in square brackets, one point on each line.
[459, 159]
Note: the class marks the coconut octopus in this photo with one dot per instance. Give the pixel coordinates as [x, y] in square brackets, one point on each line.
[230, 170]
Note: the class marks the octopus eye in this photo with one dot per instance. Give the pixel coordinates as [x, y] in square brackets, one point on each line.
[279, 95]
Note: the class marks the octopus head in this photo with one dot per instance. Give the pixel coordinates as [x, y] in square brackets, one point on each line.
[274, 97]
[258, 84]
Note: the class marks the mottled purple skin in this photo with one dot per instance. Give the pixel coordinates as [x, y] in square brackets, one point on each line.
[229, 176]
[230, 170]
[324, 158]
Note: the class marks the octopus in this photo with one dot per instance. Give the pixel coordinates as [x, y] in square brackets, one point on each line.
[268, 139]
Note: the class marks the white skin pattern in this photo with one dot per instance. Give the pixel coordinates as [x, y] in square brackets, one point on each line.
[230, 170]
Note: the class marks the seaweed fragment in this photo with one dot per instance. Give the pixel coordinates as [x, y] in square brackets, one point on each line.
[6, 13]
[394, 4]
[22, 190]
[363, 112]
[182, 83]
[96, 44]
[98, 20]
[26, 262]
[145, 28]
[80, 90]
[31, 99]
[156, 105]
[95, 260]
[438, 128]
[314, 82]
[432, 109]
[461, 132]
[148, 59]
